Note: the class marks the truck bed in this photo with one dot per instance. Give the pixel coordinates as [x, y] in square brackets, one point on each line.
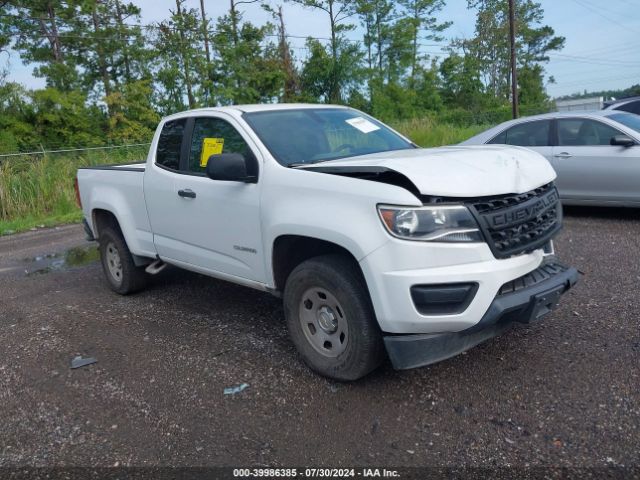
[119, 189]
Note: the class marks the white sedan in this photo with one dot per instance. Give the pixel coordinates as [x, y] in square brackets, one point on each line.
[595, 154]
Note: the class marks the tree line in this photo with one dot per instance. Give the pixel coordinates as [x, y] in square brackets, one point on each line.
[109, 77]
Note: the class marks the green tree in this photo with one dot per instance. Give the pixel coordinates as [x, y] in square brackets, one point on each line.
[376, 17]
[133, 117]
[245, 69]
[531, 88]
[320, 71]
[15, 132]
[490, 45]
[460, 82]
[341, 49]
[62, 119]
[37, 27]
[180, 63]
[291, 77]
[422, 25]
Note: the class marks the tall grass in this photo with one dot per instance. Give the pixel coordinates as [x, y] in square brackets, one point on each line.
[428, 132]
[37, 190]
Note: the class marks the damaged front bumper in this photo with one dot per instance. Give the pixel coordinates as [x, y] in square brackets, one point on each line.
[523, 300]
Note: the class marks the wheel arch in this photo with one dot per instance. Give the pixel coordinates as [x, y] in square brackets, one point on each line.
[101, 219]
[289, 251]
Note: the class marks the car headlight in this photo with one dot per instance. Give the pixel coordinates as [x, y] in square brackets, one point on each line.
[444, 223]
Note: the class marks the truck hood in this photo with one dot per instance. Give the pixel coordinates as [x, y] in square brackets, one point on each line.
[458, 171]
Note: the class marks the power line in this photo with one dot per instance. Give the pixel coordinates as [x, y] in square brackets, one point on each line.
[125, 38]
[66, 150]
[618, 47]
[607, 79]
[606, 10]
[593, 60]
[629, 3]
[589, 6]
[163, 27]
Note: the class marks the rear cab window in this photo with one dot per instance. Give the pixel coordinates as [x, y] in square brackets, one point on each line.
[170, 144]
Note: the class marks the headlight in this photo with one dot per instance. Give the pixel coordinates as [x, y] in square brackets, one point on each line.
[445, 223]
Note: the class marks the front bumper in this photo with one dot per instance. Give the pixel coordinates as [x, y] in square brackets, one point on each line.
[392, 270]
[523, 300]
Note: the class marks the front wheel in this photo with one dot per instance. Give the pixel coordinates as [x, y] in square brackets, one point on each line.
[118, 265]
[330, 318]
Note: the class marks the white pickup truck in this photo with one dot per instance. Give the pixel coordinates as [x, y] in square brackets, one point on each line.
[374, 244]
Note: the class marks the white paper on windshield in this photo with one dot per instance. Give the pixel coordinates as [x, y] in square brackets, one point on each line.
[362, 124]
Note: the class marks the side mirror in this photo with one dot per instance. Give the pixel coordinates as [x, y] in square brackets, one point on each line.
[230, 167]
[622, 141]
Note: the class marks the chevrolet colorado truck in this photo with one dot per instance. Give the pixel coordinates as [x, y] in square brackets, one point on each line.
[377, 247]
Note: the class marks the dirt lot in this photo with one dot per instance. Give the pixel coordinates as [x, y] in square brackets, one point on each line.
[563, 392]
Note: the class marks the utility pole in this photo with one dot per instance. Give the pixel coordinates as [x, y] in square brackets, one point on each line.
[514, 72]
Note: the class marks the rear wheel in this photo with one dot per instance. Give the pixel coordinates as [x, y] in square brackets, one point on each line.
[118, 265]
[331, 319]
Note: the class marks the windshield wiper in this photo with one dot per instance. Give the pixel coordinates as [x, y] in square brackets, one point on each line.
[302, 164]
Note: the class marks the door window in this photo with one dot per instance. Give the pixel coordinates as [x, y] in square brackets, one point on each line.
[169, 144]
[529, 134]
[213, 136]
[573, 132]
[500, 139]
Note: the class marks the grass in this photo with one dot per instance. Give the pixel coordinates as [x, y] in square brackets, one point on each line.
[38, 190]
[22, 224]
[427, 132]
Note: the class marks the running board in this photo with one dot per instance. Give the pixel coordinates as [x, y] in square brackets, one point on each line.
[155, 267]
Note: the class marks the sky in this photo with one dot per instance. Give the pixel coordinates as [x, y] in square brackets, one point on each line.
[601, 50]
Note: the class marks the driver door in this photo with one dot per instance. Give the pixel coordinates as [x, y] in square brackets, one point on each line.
[208, 225]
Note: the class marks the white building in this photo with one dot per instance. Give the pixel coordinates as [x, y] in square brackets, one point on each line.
[581, 104]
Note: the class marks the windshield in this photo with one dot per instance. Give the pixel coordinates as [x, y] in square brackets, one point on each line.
[312, 135]
[628, 120]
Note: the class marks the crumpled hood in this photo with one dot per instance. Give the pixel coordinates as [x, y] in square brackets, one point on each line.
[458, 171]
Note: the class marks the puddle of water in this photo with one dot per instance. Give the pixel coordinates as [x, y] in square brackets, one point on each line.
[74, 257]
[79, 256]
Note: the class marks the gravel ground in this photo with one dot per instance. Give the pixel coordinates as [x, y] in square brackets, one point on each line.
[563, 392]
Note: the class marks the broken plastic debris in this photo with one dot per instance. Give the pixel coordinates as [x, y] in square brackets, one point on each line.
[78, 361]
[236, 389]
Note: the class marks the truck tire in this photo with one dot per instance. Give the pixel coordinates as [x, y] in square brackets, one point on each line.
[330, 318]
[118, 265]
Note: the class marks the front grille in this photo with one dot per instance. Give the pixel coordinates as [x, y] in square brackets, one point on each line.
[538, 275]
[520, 223]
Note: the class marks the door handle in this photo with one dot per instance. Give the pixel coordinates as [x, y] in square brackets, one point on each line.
[563, 155]
[187, 193]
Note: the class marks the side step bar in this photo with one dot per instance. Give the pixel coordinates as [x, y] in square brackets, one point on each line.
[155, 267]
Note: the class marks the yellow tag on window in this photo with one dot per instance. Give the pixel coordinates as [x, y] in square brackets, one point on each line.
[210, 146]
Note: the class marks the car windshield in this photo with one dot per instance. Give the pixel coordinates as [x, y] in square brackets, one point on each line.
[628, 120]
[311, 135]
